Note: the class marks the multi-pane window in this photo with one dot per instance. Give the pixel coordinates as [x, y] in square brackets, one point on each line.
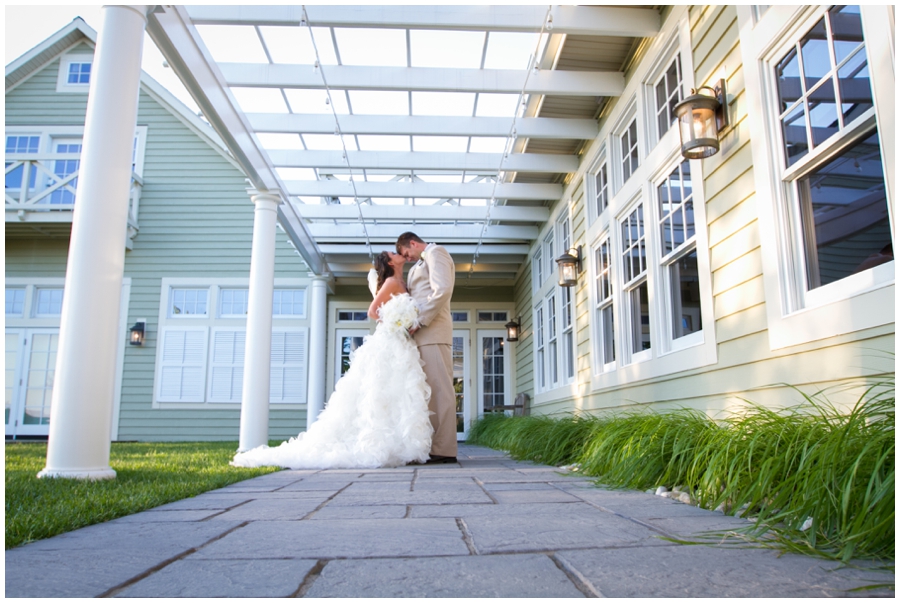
[678, 250]
[21, 145]
[601, 189]
[549, 254]
[349, 344]
[537, 269]
[352, 316]
[79, 73]
[233, 302]
[566, 306]
[492, 357]
[63, 169]
[289, 302]
[459, 316]
[492, 316]
[842, 207]
[668, 94]
[634, 280]
[48, 302]
[552, 357]
[15, 302]
[187, 302]
[540, 350]
[606, 341]
[629, 142]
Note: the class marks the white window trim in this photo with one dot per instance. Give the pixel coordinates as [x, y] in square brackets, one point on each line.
[673, 44]
[598, 367]
[855, 303]
[62, 80]
[591, 185]
[212, 322]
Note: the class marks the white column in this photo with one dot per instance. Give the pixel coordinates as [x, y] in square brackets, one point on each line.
[318, 319]
[84, 387]
[258, 348]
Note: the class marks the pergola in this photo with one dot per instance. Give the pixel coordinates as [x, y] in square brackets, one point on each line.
[352, 124]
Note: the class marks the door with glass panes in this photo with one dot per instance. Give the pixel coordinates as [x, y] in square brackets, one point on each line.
[30, 367]
[461, 381]
[347, 342]
[494, 383]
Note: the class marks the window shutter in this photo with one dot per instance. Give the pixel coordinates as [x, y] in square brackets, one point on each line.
[182, 365]
[287, 381]
[226, 373]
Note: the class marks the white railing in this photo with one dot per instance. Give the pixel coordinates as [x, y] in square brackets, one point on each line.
[38, 193]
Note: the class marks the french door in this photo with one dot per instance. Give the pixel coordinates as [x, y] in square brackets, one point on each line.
[347, 342]
[494, 384]
[461, 383]
[30, 368]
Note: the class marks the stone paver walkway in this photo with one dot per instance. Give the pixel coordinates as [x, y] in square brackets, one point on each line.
[485, 527]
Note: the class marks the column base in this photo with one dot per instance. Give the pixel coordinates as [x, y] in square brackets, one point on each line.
[89, 474]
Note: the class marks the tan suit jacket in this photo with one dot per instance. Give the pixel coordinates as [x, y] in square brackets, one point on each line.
[430, 283]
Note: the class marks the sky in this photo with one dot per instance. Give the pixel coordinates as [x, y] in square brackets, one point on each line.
[28, 26]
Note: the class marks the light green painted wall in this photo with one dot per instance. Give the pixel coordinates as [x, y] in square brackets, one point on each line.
[195, 220]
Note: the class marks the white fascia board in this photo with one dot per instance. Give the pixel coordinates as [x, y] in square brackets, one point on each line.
[429, 190]
[353, 77]
[429, 232]
[510, 249]
[418, 125]
[400, 160]
[443, 213]
[580, 20]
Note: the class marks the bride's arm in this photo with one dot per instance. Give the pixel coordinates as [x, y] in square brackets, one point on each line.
[391, 286]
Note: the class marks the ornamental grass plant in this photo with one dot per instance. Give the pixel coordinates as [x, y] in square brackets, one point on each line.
[147, 475]
[815, 479]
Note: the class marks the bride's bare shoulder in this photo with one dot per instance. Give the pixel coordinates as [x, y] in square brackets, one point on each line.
[395, 284]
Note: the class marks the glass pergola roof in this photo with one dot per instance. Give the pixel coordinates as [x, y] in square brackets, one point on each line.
[372, 120]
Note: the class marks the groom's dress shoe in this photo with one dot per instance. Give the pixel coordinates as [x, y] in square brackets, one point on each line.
[436, 459]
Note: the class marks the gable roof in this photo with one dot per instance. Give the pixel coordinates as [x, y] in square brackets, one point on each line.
[78, 31]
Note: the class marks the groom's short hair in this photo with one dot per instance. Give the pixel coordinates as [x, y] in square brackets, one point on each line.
[404, 240]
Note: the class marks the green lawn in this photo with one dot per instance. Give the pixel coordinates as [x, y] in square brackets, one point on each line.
[147, 475]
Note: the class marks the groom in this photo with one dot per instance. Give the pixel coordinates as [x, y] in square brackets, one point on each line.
[430, 283]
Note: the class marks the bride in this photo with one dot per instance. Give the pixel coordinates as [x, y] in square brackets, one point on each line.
[378, 414]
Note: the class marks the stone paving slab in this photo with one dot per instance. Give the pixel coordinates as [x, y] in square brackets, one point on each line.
[703, 571]
[340, 538]
[509, 576]
[212, 578]
[486, 526]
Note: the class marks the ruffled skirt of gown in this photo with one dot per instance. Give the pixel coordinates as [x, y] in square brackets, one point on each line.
[377, 416]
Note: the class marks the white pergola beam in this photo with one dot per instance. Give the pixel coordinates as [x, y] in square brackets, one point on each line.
[415, 79]
[429, 190]
[388, 233]
[580, 20]
[399, 160]
[418, 125]
[171, 30]
[443, 213]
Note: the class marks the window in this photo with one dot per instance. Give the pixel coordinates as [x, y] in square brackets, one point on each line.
[826, 175]
[549, 255]
[539, 348]
[182, 365]
[634, 280]
[15, 301]
[566, 307]
[601, 189]
[21, 145]
[537, 269]
[459, 316]
[290, 302]
[605, 341]
[353, 316]
[79, 73]
[552, 357]
[48, 302]
[668, 94]
[233, 302]
[287, 381]
[64, 171]
[630, 160]
[492, 316]
[187, 302]
[226, 362]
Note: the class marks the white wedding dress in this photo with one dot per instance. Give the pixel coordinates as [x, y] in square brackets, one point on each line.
[378, 414]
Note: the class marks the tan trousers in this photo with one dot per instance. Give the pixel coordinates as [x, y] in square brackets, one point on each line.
[438, 369]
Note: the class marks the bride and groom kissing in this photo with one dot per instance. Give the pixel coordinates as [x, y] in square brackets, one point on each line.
[396, 404]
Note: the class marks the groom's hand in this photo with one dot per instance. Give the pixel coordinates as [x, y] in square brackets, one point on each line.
[412, 330]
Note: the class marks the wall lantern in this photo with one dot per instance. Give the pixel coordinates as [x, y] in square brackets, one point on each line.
[701, 117]
[512, 329]
[137, 332]
[569, 266]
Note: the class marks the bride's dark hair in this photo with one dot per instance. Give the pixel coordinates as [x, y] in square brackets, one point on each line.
[383, 267]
